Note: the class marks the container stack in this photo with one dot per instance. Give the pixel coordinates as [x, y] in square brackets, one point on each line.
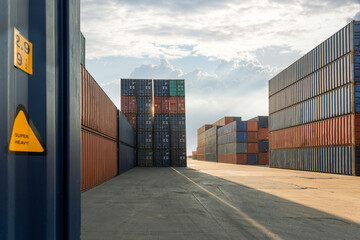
[211, 141]
[194, 155]
[177, 123]
[99, 133]
[314, 108]
[201, 141]
[263, 139]
[162, 151]
[128, 100]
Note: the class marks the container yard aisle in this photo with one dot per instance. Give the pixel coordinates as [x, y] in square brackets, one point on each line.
[222, 201]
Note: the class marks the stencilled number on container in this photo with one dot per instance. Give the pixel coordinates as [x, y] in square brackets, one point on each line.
[22, 53]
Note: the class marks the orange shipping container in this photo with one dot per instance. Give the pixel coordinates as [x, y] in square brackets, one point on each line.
[263, 158]
[331, 132]
[98, 159]
[234, 158]
[263, 134]
[98, 112]
[252, 126]
[252, 137]
[252, 148]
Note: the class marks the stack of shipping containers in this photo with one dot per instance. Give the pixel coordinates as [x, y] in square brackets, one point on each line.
[262, 136]
[314, 106]
[177, 123]
[200, 150]
[99, 133]
[128, 100]
[162, 152]
[211, 137]
[144, 123]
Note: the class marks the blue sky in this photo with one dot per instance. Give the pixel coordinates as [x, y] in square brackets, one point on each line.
[225, 50]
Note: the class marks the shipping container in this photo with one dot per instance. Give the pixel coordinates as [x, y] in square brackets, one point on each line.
[161, 140]
[233, 148]
[235, 126]
[128, 87]
[252, 147]
[194, 155]
[144, 140]
[144, 122]
[263, 121]
[177, 122]
[143, 87]
[144, 105]
[161, 88]
[252, 159]
[252, 126]
[234, 158]
[128, 104]
[127, 157]
[263, 146]
[232, 137]
[344, 41]
[204, 128]
[162, 158]
[263, 134]
[99, 160]
[178, 140]
[211, 157]
[177, 105]
[252, 137]
[98, 112]
[226, 120]
[177, 88]
[263, 158]
[127, 134]
[82, 49]
[161, 122]
[161, 105]
[145, 158]
[131, 117]
[178, 158]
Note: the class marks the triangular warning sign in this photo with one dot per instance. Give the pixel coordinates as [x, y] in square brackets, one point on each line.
[25, 139]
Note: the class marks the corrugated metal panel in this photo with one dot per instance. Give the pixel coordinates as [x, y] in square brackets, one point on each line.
[127, 158]
[145, 158]
[263, 134]
[144, 140]
[144, 87]
[212, 131]
[263, 121]
[144, 122]
[235, 126]
[161, 122]
[98, 159]
[331, 132]
[178, 158]
[252, 136]
[162, 158]
[233, 148]
[234, 158]
[128, 87]
[337, 159]
[128, 104]
[252, 159]
[161, 105]
[131, 117]
[263, 146]
[83, 49]
[331, 104]
[178, 140]
[263, 158]
[144, 105]
[98, 112]
[226, 120]
[162, 140]
[161, 88]
[204, 128]
[252, 126]
[127, 133]
[252, 147]
[177, 122]
[232, 137]
[321, 56]
[330, 77]
[211, 157]
[177, 105]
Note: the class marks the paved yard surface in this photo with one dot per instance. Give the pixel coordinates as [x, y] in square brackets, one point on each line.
[222, 201]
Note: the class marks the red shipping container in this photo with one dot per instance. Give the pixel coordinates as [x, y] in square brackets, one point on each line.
[357, 129]
[252, 148]
[131, 117]
[181, 105]
[128, 104]
[98, 112]
[263, 134]
[98, 159]
[164, 105]
[330, 132]
[157, 105]
[173, 103]
[252, 126]
[263, 159]
[252, 137]
[234, 158]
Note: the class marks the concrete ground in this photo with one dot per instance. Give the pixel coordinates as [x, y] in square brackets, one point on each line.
[222, 201]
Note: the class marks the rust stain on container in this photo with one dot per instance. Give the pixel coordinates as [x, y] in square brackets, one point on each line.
[98, 112]
[98, 159]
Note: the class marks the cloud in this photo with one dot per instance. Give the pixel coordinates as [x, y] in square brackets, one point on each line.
[227, 30]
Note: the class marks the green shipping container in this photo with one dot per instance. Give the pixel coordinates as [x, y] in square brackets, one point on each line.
[173, 88]
[177, 88]
[82, 40]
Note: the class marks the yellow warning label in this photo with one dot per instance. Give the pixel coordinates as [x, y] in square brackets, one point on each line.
[24, 136]
[22, 53]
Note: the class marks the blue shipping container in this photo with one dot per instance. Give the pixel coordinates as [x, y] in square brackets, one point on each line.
[263, 121]
[162, 140]
[162, 158]
[144, 87]
[128, 87]
[145, 158]
[177, 122]
[161, 88]
[252, 159]
[263, 146]
[161, 122]
[235, 126]
[127, 133]
[144, 122]
[232, 137]
[144, 105]
[178, 140]
[145, 140]
[127, 158]
[178, 158]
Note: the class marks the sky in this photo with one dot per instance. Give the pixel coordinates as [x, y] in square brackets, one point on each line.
[225, 50]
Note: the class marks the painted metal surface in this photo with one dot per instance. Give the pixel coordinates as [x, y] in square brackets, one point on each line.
[177, 105]
[161, 105]
[263, 134]
[234, 158]
[178, 158]
[176, 88]
[263, 121]
[177, 122]
[161, 140]
[144, 87]
[144, 105]
[204, 128]
[335, 103]
[161, 122]
[145, 158]
[252, 136]
[99, 160]
[252, 159]
[144, 140]
[233, 137]
[338, 45]
[144, 122]
[128, 104]
[128, 87]
[127, 158]
[235, 126]
[339, 159]
[131, 117]
[263, 158]
[233, 148]
[127, 134]
[162, 158]
[226, 120]
[40, 195]
[330, 132]
[161, 88]
[212, 131]
[98, 112]
[211, 157]
[252, 126]
[178, 140]
[252, 147]
[263, 146]
[82, 49]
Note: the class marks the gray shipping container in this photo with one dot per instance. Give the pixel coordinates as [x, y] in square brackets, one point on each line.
[232, 148]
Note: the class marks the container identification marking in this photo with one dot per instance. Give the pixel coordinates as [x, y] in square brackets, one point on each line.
[23, 53]
[25, 139]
